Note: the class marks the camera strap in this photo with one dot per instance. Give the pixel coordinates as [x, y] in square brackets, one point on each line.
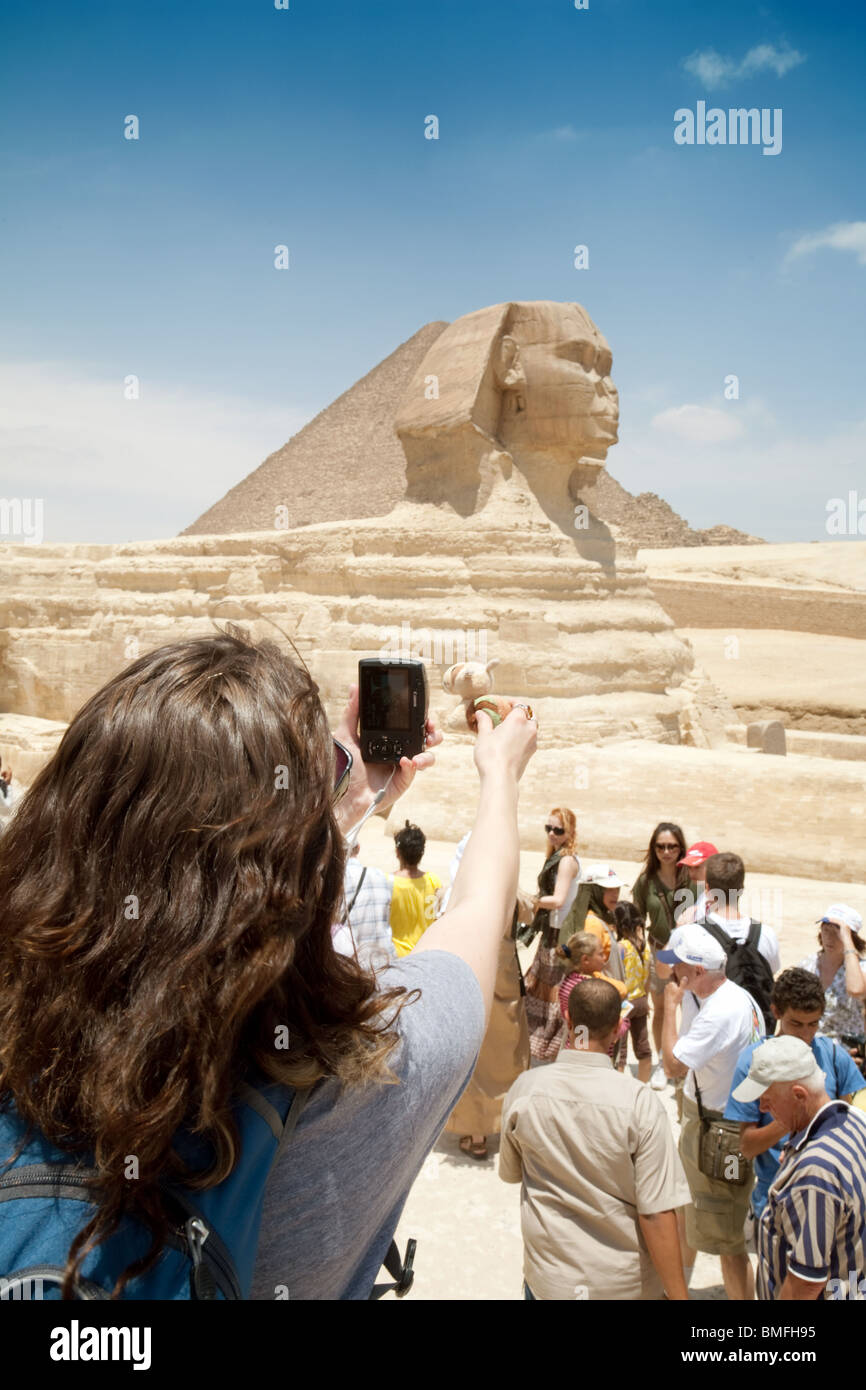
[355, 894]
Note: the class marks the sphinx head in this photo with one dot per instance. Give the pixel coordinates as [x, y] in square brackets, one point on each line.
[558, 398]
[531, 379]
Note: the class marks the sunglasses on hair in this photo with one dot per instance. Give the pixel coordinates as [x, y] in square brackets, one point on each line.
[554, 830]
[342, 771]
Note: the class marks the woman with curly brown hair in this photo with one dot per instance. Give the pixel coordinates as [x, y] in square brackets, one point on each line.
[168, 888]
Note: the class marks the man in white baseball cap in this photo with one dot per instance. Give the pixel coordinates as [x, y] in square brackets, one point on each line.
[690, 945]
[812, 1233]
[719, 1019]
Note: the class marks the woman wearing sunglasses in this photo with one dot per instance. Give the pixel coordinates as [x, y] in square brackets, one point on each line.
[558, 876]
[168, 887]
[655, 895]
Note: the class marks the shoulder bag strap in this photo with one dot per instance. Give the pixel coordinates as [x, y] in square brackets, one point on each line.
[835, 1046]
[695, 1075]
[555, 858]
[701, 1116]
[661, 892]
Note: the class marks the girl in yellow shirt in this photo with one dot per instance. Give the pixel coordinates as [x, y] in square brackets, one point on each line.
[415, 896]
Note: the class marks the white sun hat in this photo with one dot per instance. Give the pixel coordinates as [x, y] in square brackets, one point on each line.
[777, 1059]
[604, 875]
[841, 912]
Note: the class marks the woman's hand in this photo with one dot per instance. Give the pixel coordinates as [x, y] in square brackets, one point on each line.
[506, 748]
[369, 778]
[525, 906]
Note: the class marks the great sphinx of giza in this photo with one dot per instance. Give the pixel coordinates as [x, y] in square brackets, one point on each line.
[519, 394]
[491, 547]
[505, 426]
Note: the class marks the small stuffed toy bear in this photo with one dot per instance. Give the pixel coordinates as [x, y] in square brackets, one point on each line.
[472, 681]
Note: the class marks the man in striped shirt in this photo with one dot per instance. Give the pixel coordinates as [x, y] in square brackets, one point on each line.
[812, 1233]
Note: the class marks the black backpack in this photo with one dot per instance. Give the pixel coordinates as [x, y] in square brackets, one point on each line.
[747, 967]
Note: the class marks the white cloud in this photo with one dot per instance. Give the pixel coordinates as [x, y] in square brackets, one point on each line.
[111, 469]
[715, 70]
[699, 424]
[766, 55]
[841, 236]
[710, 67]
[774, 484]
[562, 134]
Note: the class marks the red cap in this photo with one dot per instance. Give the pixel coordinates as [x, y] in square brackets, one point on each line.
[696, 854]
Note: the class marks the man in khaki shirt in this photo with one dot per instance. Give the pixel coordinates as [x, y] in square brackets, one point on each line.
[601, 1175]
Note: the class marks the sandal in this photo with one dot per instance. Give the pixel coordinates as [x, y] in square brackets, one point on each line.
[474, 1150]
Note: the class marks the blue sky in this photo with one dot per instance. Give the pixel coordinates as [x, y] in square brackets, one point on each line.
[306, 127]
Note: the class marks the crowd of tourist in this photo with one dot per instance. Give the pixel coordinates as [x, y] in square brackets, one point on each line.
[718, 993]
[191, 946]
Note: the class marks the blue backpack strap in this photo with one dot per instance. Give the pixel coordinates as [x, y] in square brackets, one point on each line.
[230, 1213]
[401, 1270]
[262, 1106]
[299, 1100]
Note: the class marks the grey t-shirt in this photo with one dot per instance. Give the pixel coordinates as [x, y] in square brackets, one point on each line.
[336, 1193]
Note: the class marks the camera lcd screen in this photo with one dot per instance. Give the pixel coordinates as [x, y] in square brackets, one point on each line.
[388, 706]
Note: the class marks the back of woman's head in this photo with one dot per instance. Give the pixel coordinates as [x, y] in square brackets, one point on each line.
[167, 891]
[410, 843]
[628, 921]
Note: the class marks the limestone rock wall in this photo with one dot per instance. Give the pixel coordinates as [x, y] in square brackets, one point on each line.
[588, 644]
[703, 603]
[782, 815]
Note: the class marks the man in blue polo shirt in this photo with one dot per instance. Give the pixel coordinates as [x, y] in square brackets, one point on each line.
[812, 1232]
[797, 1002]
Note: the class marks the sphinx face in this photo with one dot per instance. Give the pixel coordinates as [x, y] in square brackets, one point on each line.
[560, 400]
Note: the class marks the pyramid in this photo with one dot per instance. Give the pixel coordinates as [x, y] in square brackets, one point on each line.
[348, 463]
[345, 464]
